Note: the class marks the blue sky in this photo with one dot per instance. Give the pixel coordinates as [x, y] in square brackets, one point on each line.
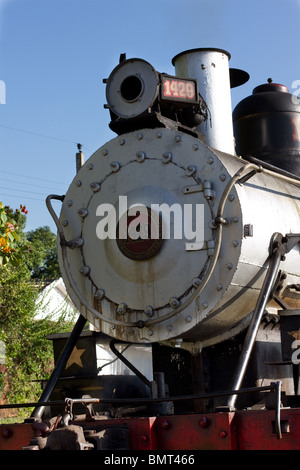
[55, 53]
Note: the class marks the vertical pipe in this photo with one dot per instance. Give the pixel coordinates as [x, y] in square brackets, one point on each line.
[211, 68]
[79, 158]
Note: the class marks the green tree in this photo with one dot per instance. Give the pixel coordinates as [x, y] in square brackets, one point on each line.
[42, 259]
[28, 353]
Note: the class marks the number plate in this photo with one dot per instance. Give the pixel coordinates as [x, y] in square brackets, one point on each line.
[178, 89]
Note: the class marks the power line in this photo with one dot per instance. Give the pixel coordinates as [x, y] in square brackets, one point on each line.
[26, 184]
[31, 177]
[42, 135]
[20, 197]
[22, 190]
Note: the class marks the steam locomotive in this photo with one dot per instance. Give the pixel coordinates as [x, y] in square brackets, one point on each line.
[178, 242]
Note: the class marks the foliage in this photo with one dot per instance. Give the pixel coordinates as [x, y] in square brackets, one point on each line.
[42, 259]
[28, 352]
[11, 224]
[25, 258]
[37, 247]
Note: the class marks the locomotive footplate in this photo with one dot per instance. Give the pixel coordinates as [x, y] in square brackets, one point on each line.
[241, 430]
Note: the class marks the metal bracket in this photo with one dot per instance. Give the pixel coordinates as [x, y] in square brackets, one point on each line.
[291, 240]
[205, 187]
[277, 390]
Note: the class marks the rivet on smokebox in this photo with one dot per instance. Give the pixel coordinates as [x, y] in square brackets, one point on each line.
[174, 302]
[85, 270]
[95, 187]
[166, 157]
[191, 169]
[115, 166]
[100, 294]
[196, 282]
[82, 212]
[140, 156]
[121, 308]
[148, 311]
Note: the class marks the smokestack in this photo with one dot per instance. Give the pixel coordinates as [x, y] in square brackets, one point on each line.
[211, 68]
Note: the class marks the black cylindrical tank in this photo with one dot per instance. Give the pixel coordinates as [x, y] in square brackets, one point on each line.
[266, 125]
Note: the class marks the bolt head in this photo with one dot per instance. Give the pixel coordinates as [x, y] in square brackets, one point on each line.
[82, 212]
[174, 302]
[204, 422]
[6, 433]
[191, 169]
[148, 311]
[85, 270]
[122, 308]
[165, 424]
[115, 166]
[100, 294]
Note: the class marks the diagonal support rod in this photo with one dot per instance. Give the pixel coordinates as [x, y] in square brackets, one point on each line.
[278, 249]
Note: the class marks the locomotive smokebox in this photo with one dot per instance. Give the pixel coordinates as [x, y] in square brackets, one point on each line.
[267, 126]
[211, 68]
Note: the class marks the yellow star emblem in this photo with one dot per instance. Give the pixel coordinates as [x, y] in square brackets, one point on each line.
[295, 334]
[75, 357]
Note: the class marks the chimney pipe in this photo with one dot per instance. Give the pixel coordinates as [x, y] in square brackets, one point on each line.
[211, 68]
